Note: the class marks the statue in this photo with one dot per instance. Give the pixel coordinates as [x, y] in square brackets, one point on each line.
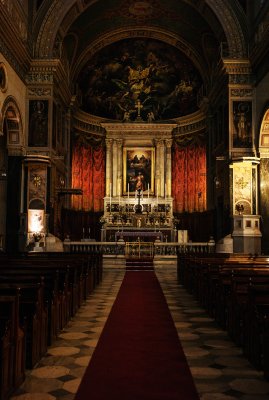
[150, 116]
[139, 182]
[126, 116]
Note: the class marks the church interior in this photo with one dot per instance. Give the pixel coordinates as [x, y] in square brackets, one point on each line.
[134, 144]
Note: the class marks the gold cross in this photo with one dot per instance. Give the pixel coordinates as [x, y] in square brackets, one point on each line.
[139, 107]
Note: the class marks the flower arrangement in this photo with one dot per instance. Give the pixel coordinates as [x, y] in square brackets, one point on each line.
[37, 236]
[239, 208]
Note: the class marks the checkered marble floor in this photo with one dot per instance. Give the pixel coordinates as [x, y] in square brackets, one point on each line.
[218, 367]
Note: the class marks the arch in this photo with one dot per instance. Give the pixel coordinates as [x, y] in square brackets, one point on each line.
[231, 26]
[3, 185]
[60, 8]
[264, 135]
[11, 121]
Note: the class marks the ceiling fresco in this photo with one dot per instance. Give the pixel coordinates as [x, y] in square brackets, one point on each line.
[139, 79]
[180, 17]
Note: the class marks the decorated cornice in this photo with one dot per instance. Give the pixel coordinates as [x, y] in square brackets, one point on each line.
[242, 92]
[191, 124]
[37, 157]
[88, 124]
[141, 130]
[96, 126]
[237, 67]
[68, 11]
[41, 75]
[44, 75]
[239, 71]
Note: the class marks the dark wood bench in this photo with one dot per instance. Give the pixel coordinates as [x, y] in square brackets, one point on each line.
[12, 346]
[51, 288]
[33, 316]
[235, 292]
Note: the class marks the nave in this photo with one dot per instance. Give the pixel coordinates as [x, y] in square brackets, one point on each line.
[219, 369]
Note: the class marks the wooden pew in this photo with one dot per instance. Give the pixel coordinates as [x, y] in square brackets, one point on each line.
[52, 297]
[234, 291]
[12, 346]
[68, 290]
[256, 326]
[32, 316]
[66, 281]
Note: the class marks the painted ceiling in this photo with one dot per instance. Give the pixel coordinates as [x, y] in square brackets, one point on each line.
[139, 78]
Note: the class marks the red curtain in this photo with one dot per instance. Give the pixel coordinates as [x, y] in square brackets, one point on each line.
[88, 174]
[189, 178]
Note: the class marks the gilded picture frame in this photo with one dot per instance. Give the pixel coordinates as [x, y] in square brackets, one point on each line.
[242, 124]
[138, 169]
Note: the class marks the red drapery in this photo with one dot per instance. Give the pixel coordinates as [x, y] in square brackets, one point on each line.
[189, 178]
[88, 173]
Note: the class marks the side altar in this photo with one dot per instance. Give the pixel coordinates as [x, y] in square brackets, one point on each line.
[138, 203]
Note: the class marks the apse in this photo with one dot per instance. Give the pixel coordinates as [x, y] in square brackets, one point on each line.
[151, 73]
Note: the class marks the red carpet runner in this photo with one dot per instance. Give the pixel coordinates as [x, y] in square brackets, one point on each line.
[138, 356]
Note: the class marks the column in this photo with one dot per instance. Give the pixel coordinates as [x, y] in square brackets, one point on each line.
[108, 166]
[114, 168]
[162, 170]
[157, 170]
[119, 168]
[168, 168]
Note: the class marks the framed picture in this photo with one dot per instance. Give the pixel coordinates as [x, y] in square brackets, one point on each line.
[38, 123]
[242, 124]
[138, 169]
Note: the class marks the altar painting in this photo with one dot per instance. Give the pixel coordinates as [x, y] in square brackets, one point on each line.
[138, 167]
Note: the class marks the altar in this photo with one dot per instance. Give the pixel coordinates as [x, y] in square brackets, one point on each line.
[138, 204]
[137, 235]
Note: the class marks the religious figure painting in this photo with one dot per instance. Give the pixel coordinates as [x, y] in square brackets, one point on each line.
[38, 123]
[242, 124]
[139, 79]
[138, 169]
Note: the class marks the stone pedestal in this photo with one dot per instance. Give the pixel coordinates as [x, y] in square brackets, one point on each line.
[246, 234]
[53, 244]
[37, 247]
[225, 245]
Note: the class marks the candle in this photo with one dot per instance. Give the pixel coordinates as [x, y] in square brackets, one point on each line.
[128, 191]
[157, 193]
[148, 191]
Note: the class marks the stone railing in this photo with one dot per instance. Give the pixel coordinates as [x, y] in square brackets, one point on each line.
[121, 248]
[95, 247]
[184, 248]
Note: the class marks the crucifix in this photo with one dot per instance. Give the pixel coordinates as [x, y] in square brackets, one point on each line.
[139, 107]
[138, 207]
